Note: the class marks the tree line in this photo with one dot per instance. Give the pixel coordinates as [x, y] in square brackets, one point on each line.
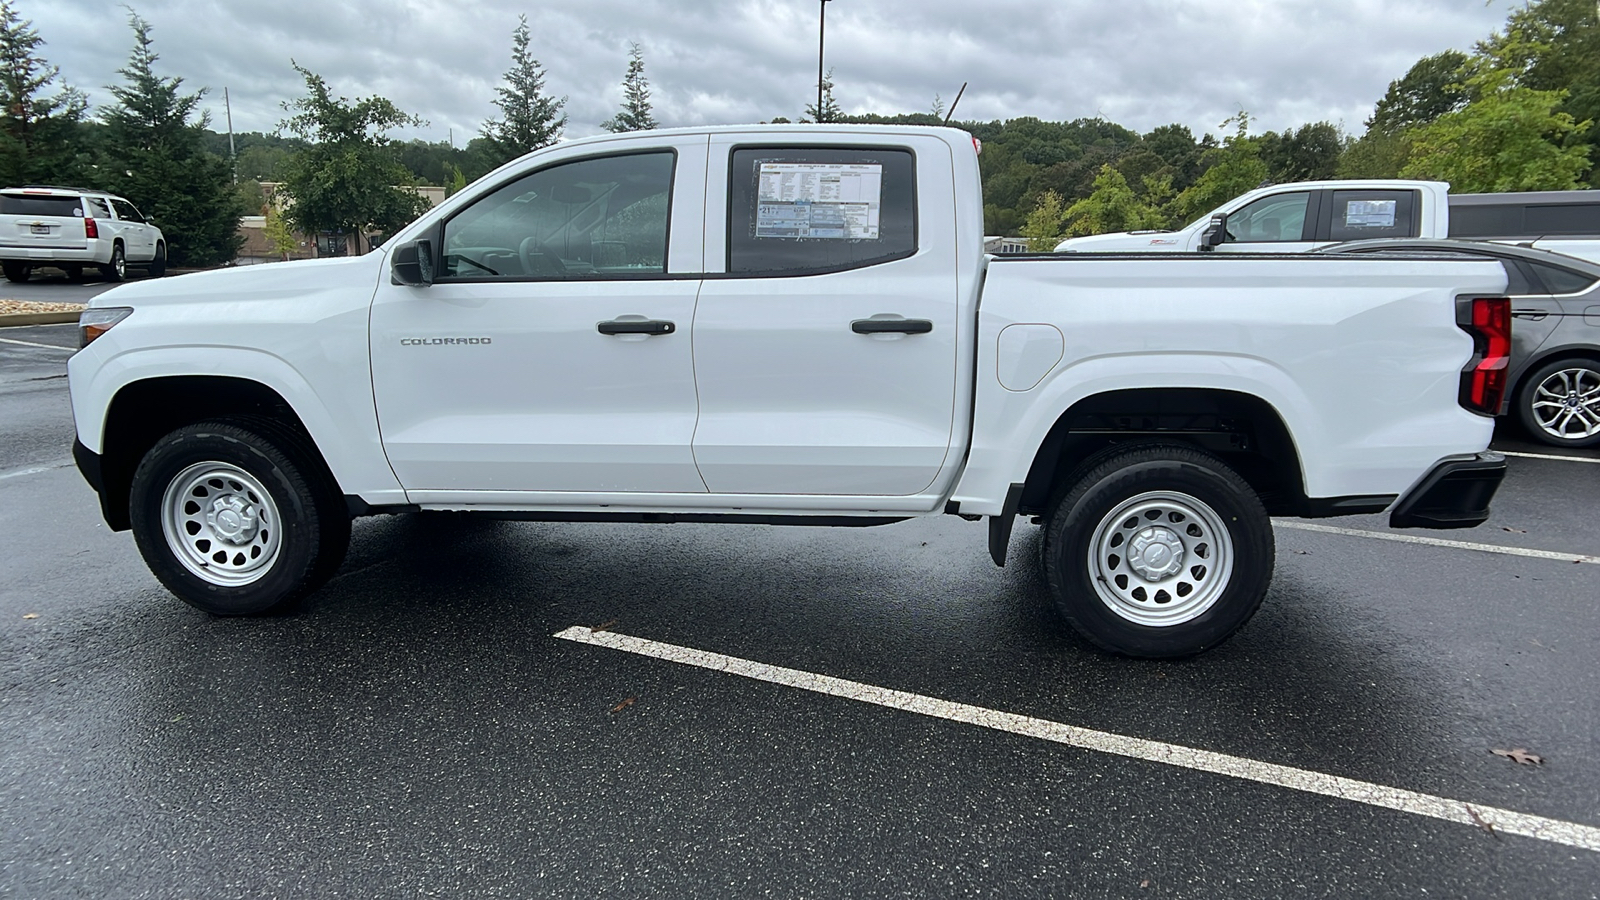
[1518, 112]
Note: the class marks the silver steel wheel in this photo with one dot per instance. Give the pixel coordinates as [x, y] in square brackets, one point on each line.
[1161, 558]
[1566, 405]
[221, 524]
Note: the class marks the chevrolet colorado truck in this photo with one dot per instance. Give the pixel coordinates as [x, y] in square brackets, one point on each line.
[1305, 215]
[789, 325]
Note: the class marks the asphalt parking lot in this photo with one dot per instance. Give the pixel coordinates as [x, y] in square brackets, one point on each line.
[871, 712]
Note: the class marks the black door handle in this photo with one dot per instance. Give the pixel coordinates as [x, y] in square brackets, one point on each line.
[891, 326]
[637, 326]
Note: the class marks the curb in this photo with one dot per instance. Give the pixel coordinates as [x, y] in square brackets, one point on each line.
[11, 320]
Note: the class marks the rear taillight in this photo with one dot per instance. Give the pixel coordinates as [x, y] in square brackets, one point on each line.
[1483, 381]
[90, 229]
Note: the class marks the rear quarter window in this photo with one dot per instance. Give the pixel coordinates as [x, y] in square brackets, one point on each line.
[1359, 215]
[38, 205]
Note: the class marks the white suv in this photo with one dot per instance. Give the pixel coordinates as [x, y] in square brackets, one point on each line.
[70, 228]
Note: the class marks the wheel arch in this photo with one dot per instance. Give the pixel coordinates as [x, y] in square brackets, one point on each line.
[1243, 430]
[142, 411]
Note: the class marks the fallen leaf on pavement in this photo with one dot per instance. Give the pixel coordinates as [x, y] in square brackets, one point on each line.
[30, 615]
[1478, 820]
[1520, 755]
[604, 626]
[1513, 530]
[624, 704]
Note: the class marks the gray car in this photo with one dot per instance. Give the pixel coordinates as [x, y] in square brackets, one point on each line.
[1554, 386]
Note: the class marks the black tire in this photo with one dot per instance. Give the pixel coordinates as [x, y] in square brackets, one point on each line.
[18, 272]
[1569, 393]
[117, 269]
[313, 524]
[1180, 503]
[74, 273]
[158, 266]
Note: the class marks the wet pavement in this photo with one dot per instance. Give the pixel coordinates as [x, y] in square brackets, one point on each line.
[417, 731]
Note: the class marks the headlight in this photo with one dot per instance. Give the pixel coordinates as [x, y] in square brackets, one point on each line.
[95, 322]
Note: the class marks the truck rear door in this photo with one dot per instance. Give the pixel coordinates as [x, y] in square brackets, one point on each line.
[41, 221]
[825, 337]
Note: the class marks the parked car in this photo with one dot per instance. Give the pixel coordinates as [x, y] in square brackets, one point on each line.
[1554, 373]
[1301, 216]
[71, 228]
[822, 342]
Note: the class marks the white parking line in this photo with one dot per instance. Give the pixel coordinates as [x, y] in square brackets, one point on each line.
[37, 344]
[1439, 542]
[1506, 821]
[1582, 459]
[34, 470]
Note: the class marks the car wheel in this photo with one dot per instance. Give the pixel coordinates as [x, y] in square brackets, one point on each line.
[1158, 552]
[117, 269]
[1559, 403]
[74, 273]
[18, 272]
[158, 266]
[235, 519]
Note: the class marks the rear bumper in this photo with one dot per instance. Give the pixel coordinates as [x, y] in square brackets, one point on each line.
[44, 256]
[1454, 494]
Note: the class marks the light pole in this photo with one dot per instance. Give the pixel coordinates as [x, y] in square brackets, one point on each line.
[822, 28]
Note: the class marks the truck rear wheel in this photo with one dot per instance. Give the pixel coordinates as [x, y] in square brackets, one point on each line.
[234, 519]
[1159, 551]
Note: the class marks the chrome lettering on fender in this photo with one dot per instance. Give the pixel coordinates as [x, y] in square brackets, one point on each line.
[443, 341]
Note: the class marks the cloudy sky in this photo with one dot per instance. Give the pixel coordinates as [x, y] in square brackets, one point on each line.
[1141, 63]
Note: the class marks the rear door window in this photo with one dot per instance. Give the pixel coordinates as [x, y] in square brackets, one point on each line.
[803, 210]
[1562, 281]
[126, 211]
[40, 205]
[1358, 215]
[97, 208]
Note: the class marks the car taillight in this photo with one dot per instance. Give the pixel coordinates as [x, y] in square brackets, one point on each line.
[1483, 381]
[90, 229]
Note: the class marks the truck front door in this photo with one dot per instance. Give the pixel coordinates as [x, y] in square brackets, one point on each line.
[552, 353]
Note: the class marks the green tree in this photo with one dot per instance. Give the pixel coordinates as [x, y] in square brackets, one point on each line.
[1554, 45]
[1435, 85]
[1111, 207]
[38, 127]
[635, 114]
[529, 118]
[154, 155]
[1308, 153]
[829, 111]
[1376, 155]
[349, 178]
[1233, 168]
[1511, 138]
[279, 237]
[1044, 225]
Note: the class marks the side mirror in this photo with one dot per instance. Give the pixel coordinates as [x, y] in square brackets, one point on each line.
[413, 263]
[1216, 232]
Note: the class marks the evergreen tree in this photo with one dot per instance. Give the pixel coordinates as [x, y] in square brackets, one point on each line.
[38, 129]
[829, 111]
[635, 113]
[349, 178]
[530, 118]
[154, 155]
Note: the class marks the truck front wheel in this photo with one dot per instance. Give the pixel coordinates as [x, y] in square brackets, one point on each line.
[236, 520]
[1159, 551]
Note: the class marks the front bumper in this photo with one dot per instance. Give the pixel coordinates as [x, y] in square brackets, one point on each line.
[1454, 494]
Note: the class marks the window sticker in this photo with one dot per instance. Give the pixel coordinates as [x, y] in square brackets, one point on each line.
[830, 201]
[1369, 214]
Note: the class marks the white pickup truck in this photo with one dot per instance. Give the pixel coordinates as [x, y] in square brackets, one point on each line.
[789, 325]
[1305, 215]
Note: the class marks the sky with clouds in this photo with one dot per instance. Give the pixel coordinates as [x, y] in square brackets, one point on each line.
[1141, 63]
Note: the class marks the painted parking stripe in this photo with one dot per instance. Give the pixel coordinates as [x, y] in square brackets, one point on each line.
[1582, 459]
[1505, 821]
[1439, 542]
[34, 470]
[37, 344]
